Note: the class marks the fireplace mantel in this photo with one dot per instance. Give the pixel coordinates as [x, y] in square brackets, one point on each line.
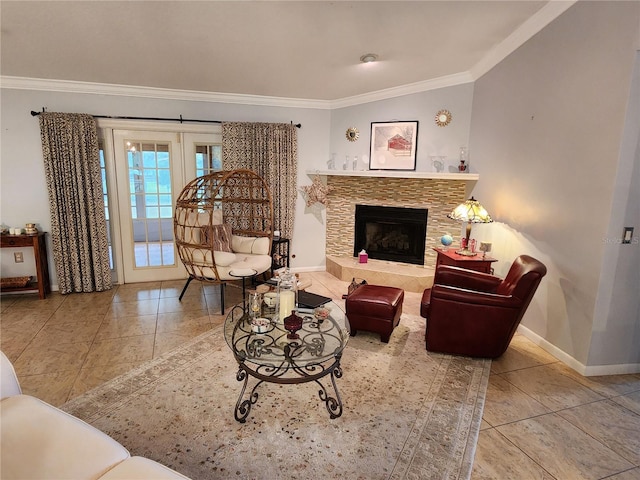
[465, 177]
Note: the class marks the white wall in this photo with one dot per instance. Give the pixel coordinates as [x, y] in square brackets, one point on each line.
[23, 193]
[546, 132]
[432, 140]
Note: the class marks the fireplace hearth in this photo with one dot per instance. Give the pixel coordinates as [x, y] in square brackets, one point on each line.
[391, 233]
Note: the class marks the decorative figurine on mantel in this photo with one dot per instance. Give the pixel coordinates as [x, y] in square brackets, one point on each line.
[331, 163]
[463, 167]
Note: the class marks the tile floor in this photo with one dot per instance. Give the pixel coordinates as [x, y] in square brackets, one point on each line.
[541, 419]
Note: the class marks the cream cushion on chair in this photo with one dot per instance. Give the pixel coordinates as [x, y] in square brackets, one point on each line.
[253, 245]
[40, 441]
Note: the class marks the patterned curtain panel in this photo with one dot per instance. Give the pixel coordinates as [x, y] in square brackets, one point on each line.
[270, 150]
[78, 224]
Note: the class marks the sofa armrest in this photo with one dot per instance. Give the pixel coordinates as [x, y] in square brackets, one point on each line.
[468, 279]
[41, 441]
[9, 384]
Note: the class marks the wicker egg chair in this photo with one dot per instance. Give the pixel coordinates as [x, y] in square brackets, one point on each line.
[223, 227]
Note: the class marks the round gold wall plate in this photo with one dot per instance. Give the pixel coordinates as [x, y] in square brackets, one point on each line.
[443, 118]
[352, 134]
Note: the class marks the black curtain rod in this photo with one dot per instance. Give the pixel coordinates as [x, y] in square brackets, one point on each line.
[161, 119]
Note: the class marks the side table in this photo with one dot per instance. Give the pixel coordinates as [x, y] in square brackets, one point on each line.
[478, 262]
[38, 243]
[279, 253]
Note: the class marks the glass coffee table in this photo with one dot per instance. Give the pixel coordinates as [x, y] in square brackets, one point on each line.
[272, 357]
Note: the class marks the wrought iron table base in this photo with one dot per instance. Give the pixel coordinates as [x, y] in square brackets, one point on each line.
[333, 404]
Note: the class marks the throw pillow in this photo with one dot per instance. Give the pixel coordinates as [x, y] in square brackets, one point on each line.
[218, 237]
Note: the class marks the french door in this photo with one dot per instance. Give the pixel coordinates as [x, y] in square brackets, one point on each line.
[149, 176]
[151, 168]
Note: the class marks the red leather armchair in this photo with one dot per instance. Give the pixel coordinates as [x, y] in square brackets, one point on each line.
[476, 314]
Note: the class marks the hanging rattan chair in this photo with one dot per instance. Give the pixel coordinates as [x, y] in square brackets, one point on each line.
[223, 226]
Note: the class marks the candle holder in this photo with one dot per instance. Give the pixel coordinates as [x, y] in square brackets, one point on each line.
[287, 293]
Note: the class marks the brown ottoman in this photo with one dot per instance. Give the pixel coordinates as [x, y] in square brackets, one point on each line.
[375, 308]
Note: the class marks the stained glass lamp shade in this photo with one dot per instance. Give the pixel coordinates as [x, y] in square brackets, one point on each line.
[470, 212]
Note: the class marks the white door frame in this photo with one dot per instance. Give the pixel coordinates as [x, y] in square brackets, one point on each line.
[107, 127]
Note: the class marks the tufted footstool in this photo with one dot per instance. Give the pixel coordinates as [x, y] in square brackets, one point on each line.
[375, 308]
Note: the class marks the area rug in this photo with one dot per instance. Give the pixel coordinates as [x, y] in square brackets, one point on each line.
[408, 413]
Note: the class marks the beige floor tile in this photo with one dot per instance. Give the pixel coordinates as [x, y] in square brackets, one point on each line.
[133, 309]
[120, 350]
[135, 295]
[39, 358]
[172, 304]
[522, 353]
[174, 289]
[6, 301]
[77, 332]
[140, 286]
[13, 319]
[91, 377]
[53, 388]
[167, 341]
[127, 327]
[34, 302]
[77, 314]
[562, 449]
[74, 301]
[551, 388]
[633, 474]
[630, 401]
[485, 425]
[183, 321]
[498, 459]
[607, 386]
[506, 403]
[611, 424]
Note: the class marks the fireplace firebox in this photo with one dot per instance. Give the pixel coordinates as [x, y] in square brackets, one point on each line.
[391, 233]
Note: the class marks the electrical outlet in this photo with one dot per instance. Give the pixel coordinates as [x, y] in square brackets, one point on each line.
[17, 256]
[627, 234]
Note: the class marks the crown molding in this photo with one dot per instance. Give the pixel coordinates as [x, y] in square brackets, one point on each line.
[68, 86]
[418, 87]
[522, 34]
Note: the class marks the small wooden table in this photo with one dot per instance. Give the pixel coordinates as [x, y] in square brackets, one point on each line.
[478, 262]
[39, 245]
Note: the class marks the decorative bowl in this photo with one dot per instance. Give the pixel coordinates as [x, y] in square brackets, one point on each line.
[260, 325]
[321, 314]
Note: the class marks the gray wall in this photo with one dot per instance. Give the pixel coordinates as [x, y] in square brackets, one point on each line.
[547, 131]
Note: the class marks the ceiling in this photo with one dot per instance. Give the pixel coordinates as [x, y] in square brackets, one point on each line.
[292, 49]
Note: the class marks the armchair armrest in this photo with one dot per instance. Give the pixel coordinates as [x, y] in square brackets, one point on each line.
[464, 296]
[466, 279]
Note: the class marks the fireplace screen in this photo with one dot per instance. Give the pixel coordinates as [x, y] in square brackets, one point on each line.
[391, 233]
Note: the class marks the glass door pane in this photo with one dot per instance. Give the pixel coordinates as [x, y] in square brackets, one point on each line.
[151, 210]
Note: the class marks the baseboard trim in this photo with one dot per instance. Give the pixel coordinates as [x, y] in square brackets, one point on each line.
[582, 369]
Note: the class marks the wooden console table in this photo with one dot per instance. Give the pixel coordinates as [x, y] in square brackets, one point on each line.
[39, 245]
[477, 262]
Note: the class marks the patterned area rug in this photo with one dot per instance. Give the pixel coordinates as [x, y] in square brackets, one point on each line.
[408, 413]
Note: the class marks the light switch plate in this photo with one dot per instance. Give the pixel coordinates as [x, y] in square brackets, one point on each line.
[627, 235]
[18, 257]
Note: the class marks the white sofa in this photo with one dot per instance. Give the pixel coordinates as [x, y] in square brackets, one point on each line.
[39, 441]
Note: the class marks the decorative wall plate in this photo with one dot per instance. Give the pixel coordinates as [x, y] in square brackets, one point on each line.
[443, 118]
[352, 134]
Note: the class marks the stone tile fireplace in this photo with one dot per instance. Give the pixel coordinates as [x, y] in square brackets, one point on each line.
[439, 193]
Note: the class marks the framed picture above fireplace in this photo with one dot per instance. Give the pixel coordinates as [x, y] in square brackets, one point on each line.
[393, 145]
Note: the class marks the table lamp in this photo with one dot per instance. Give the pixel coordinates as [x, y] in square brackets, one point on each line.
[471, 212]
